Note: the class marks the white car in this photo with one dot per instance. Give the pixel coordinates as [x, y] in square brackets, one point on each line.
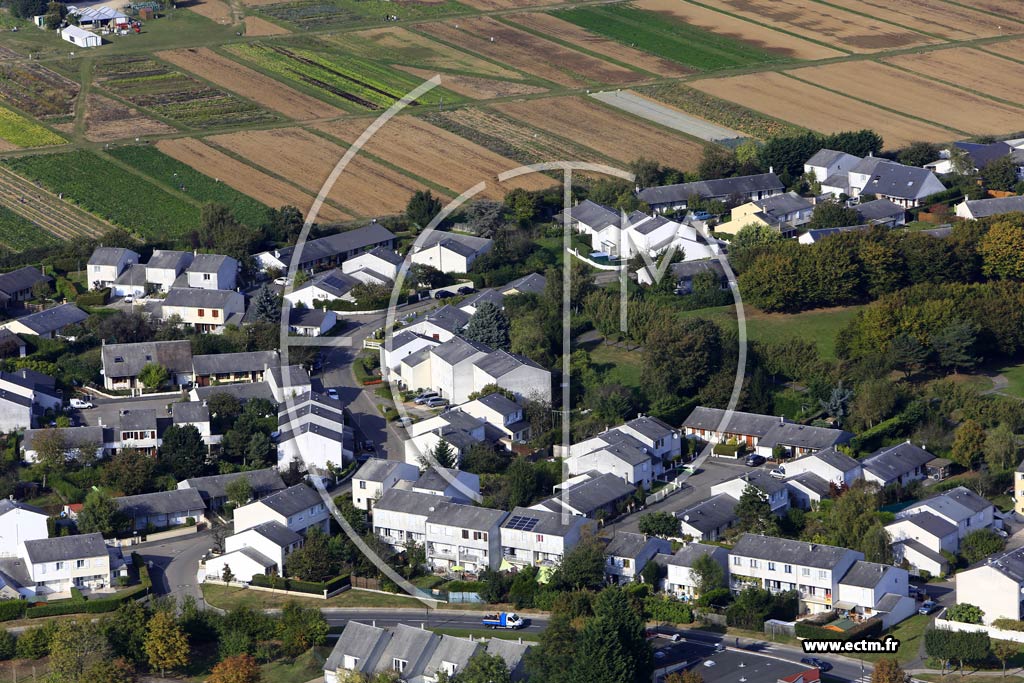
[81, 404]
[281, 281]
[332, 393]
[778, 473]
[128, 299]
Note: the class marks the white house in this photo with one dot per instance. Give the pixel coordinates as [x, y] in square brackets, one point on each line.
[899, 464]
[212, 271]
[161, 509]
[79, 443]
[959, 506]
[214, 489]
[628, 553]
[329, 251]
[902, 185]
[19, 523]
[312, 430]
[920, 539]
[56, 565]
[165, 266]
[194, 414]
[450, 252]
[107, 263]
[796, 440]
[137, 428]
[16, 286]
[462, 487]
[311, 322]
[377, 476]
[773, 490]
[289, 383]
[207, 310]
[402, 344]
[588, 217]
[442, 324]
[464, 536]
[776, 564]
[225, 368]
[324, 287]
[829, 464]
[459, 430]
[831, 168]
[452, 372]
[870, 589]
[996, 586]
[400, 516]
[679, 578]
[23, 394]
[983, 208]
[540, 538]
[709, 519]
[47, 324]
[710, 425]
[668, 198]
[511, 371]
[297, 507]
[376, 266]
[255, 551]
[500, 412]
[122, 363]
[132, 282]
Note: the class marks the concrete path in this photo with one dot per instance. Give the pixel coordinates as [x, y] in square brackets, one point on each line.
[635, 104]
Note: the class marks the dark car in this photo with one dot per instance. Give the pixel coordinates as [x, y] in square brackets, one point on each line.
[818, 664]
[466, 290]
[754, 460]
[443, 294]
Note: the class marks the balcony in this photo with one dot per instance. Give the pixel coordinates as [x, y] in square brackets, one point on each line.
[442, 552]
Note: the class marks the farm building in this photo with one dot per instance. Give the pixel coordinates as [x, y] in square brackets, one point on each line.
[98, 16]
[80, 37]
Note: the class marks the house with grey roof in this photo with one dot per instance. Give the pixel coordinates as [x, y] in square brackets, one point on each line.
[685, 272]
[920, 540]
[214, 489]
[288, 382]
[311, 322]
[818, 234]
[771, 489]
[313, 432]
[784, 212]
[243, 391]
[511, 371]
[871, 589]
[472, 302]
[162, 509]
[329, 251]
[442, 324]
[56, 565]
[260, 549]
[378, 266]
[224, 368]
[376, 476]
[899, 464]
[206, 310]
[11, 345]
[709, 519]
[49, 323]
[588, 217]
[458, 485]
[122, 363]
[680, 579]
[195, 414]
[531, 283]
[400, 516]
[107, 263]
[828, 464]
[26, 395]
[400, 346]
[322, 288]
[138, 428]
[807, 490]
[831, 168]
[628, 553]
[79, 443]
[902, 185]
[973, 209]
[881, 212]
[357, 651]
[16, 285]
[592, 494]
[714, 425]
[464, 537]
[778, 564]
[978, 155]
[617, 453]
[297, 507]
[20, 522]
[450, 252]
[459, 430]
[501, 413]
[165, 266]
[132, 282]
[996, 586]
[959, 506]
[540, 538]
[669, 198]
[452, 374]
[212, 271]
[797, 440]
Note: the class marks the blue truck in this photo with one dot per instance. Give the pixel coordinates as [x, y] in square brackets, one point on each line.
[503, 620]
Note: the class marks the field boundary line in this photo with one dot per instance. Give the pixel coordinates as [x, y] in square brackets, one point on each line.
[978, 93]
[884, 21]
[983, 10]
[649, 122]
[560, 138]
[170, 189]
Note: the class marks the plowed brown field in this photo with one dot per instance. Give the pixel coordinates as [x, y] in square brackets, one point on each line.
[229, 74]
[530, 144]
[107, 120]
[935, 16]
[527, 52]
[971, 69]
[817, 109]
[615, 135]
[215, 10]
[365, 188]
[243, 177]
[258, 26]
[402, 46]
[475, 87]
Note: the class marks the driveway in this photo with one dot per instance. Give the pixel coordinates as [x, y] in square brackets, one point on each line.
[175, 564]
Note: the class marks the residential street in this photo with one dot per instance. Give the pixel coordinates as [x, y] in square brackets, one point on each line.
[175, 564]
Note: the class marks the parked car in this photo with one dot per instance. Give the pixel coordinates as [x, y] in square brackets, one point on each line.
[778, 473]
[927, 607]
[443, 294]
[128, 299]
[332, 393]
[437, 402]
[819, 664]
[701, 216]
[405, 422]
[424, 397]
[282, 281]
[1002, 533]
[466, 290]
[754, 460]
[81, 404]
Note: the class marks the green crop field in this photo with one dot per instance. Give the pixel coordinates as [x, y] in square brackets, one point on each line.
[109, 191]
[175, 95]
[17, 232]
[19, 131]
[203, 188]
[350, 82]
[662, 36]
[307, 14]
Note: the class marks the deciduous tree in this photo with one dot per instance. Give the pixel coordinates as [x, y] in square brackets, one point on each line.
[1002, 250]
[662, 524]
[754, 514]
[301, 628]
[237, 669]
[965, 613]
[99, 513]
[166, 645]
[888, 671]
[968, 444]
[832, 214]
[153, 375]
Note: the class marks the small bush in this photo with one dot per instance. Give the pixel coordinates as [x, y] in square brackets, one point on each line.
[730, 449]
[97, 298]
[1009, 624]
[660, 608]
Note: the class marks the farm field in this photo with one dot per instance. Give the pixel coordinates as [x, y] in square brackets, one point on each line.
[916, 96]
[638, 105]
[1011, 49]
[174, 95]
[825, 23]
[938, 17]
[203, 188]
[475, 87]
[87, 179]
[349, 82]
[738, 29]
[662, 35]
[21, 132]
[601, 128]
[37, 91]
[569, 32]
[529, 53]
[258, 26]
[972, 69]
[1000, 7]
[366, 188]
[811, 107]
[431, 152]
[231, 75]
[244, 178]
[508, 4]
[18, 233]
[214, 10]
[57, 218]
[318, 14]
[107, 120]
[716, 110]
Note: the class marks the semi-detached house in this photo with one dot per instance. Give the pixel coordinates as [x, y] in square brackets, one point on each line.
[206, 310]
[107, 263]
[122, 363]
[540, 538]
[161, 509]
[297, 507]
[56, 565]
[377, 476]
[464, 536]
[680, 579]
[19, 523]
[329, 251]
[400, 516]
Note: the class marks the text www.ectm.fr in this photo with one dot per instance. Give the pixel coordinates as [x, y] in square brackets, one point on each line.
[886, 645]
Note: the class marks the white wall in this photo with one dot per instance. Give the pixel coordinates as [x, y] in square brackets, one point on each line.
[18, 526]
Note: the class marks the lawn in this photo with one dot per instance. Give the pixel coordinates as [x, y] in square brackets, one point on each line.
[819, 326]
[623, 367]
[305, 667]
[1015, 374]
[665, 37]
[230, 597]
[910, 633]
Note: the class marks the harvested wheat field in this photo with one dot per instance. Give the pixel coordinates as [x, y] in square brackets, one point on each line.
[107, 120]
[509, 137]
[1014, 49]
[825, 23]
[402, 46]
[215, 10]
[970, 68]
[811, 107]
[527, 52]
[243, 177]
[437, 155]
[611, 49]
[229, 74]
[475, 87]
[257, 26]
[917, 96]
[508, 4]
[365, 188]
[618, 136]
[935, 16]
[738, 29]
[1004, 8]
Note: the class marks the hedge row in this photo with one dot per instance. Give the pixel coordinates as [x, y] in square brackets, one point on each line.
[872, 628]
[730, 449]
[665, 609]
[94, 298]
[313, 587]
[12, 609]
[99, 605]
[1009, 624]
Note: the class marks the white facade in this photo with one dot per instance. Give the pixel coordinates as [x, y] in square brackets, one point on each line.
[679, 577]
[634, 471]
[19, 523]
[254, 514]
[104, 274]
[544, 544]
[995, 590]
[778, 499]
[525, 380]
[206, 318]
[80, 37]
[61, 571]
[454, 379]
[370, 261]
[404, 344]
[366, 491]
[834, 472]
[400, 517]
[221, 274]
[464, 536]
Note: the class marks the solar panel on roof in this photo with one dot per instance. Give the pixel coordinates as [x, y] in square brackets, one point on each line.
[520, 523]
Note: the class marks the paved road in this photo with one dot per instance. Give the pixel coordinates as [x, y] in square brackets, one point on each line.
[666, 116]
[416, 617]
[175, 564]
